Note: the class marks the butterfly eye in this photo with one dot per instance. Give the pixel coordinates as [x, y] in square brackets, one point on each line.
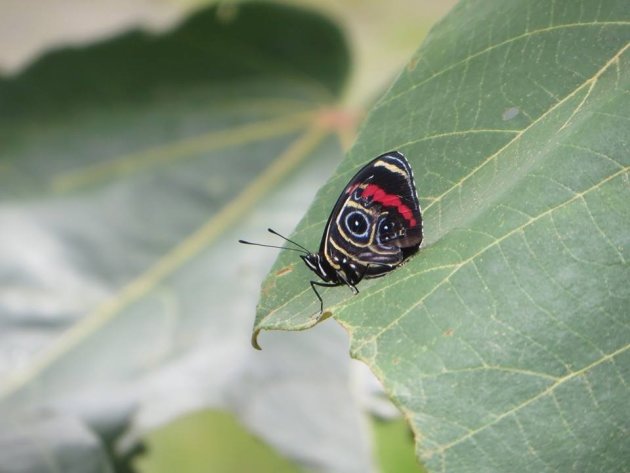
[357, 224]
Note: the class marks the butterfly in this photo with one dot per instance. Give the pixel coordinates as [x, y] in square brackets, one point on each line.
[374, 227]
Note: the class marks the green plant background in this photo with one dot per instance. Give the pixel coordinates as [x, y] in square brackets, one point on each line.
[130, 166]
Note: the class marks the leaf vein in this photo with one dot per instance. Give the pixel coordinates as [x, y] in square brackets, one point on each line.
[509, 41]
[487, 247]
[547, 391]
[495, 155]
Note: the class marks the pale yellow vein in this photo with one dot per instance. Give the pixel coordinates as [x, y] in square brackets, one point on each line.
[447, 278]
[589, 82]
[179, 255]
[499, 45]
[185, 148]
[549, 390]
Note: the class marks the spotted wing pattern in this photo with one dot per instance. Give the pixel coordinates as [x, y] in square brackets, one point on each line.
[376, 223]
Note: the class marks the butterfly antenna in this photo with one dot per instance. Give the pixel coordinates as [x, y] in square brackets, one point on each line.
[271, 230]
[244, 242]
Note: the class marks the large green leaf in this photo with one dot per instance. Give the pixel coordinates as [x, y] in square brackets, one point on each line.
[505, 341]
[128, 171]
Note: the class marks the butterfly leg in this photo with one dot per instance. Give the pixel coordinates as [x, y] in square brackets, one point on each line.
[321, 284]
[352, 287]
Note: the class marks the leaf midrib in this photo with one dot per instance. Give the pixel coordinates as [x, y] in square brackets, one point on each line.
[175, 258]
[183, 148]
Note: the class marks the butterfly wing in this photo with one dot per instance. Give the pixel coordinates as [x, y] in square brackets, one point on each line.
[376, 223]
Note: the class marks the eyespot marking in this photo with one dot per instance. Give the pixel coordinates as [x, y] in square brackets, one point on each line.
[357, 224]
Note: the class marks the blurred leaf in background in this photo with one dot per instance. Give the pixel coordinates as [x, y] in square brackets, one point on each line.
[128, 170]
[209, 441]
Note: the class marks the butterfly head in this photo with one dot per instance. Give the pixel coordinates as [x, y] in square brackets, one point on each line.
[318, 265]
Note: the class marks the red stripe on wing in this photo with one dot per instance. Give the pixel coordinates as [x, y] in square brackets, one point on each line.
[389, 200]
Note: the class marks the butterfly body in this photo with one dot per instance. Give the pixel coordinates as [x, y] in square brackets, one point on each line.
[375, 225]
